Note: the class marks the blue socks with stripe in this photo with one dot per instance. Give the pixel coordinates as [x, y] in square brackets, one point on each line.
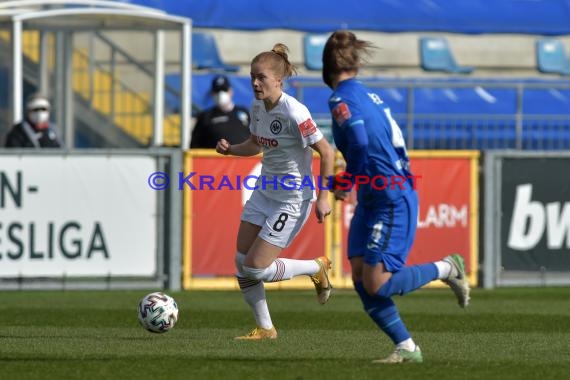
[384, 313]
[408, 279]
[383, 310]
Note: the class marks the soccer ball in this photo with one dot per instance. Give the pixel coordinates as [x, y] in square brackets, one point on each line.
[158, 312]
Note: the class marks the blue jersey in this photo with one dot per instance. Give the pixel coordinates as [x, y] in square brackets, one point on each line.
[371, 143]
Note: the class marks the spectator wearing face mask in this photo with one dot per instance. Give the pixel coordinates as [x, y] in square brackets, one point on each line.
[35, 131]
[225, 120]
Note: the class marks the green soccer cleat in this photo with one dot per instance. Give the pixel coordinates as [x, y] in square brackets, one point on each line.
[457, 279]
[321, 280]
[402, 356]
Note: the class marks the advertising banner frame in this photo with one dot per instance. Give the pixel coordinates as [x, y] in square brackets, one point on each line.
[494, 273]
[167, 214]
[333, 232]
[227, 281]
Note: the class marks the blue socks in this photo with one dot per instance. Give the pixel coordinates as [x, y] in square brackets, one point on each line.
[382, 309]
[384, 313]
[408, 279]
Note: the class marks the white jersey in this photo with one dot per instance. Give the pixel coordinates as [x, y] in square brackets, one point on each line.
[285, 134]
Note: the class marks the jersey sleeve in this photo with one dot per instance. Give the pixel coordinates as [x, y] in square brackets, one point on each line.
[253, 115]
[347, 116]
[308, 130]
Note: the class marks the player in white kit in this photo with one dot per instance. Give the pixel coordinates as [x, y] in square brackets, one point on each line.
[282, 128]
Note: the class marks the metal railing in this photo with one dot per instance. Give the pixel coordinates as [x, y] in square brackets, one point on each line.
[105, 89]
[443, 127]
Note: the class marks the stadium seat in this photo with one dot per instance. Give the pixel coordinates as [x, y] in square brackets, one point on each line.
[205, 53]
[436, 55]
[313, 45]
[201, 85]
[551, 57]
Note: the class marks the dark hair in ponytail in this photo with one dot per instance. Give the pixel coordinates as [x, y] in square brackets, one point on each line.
[343, 52]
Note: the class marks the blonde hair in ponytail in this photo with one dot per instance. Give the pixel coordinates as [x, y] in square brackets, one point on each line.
[278, 59]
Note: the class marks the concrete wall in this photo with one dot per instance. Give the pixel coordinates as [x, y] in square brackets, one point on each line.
[397, 55]
[501, 52]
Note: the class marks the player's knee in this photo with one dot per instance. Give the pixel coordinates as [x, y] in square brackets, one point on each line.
[370, 290]
[372, 287]
[253, 273]
[239, 259]
[356, 277]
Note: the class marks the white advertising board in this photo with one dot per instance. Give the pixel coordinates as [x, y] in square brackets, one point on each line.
[77, 216]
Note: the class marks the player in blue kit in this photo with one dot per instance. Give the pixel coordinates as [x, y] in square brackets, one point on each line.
[383, 228]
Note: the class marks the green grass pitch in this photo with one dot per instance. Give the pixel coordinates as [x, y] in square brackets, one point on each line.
[521, 333]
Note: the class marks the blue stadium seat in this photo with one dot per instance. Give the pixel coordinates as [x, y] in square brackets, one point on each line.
[494, 134]
[465, 101]
[201, 86]
[436, 55]
[205, 53]
[551, 57]
[441, 134]
[546, 101]
[395, 97]
[316, 99]
[546, 122]
[546, 134]
[313, 45]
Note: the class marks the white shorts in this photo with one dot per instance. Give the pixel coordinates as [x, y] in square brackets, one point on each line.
[280, 222]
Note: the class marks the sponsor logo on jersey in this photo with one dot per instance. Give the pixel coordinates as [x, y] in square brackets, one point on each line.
[266, 141]
[341, 113]
[308, 127]
[275, 127]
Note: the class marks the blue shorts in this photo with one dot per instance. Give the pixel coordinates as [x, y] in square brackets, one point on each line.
[385, 233]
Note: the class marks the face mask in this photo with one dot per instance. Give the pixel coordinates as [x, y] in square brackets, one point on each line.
[223, 99]
[40, 118]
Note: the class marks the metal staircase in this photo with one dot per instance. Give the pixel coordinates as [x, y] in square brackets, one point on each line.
[108, 112]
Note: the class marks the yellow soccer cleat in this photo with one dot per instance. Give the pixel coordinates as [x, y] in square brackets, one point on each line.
[321, 280]
[259, 333]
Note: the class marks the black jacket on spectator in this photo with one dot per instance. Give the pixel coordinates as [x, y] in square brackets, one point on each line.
[23, 135]
[215, 124]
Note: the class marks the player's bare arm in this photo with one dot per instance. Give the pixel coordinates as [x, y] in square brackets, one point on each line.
[323, 148]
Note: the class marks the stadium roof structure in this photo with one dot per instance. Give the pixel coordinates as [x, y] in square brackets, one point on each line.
[547, 17]
[95, 15]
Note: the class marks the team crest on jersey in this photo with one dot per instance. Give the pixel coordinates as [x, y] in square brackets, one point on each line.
[307, 128]
[341, 113]
[276, 127]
